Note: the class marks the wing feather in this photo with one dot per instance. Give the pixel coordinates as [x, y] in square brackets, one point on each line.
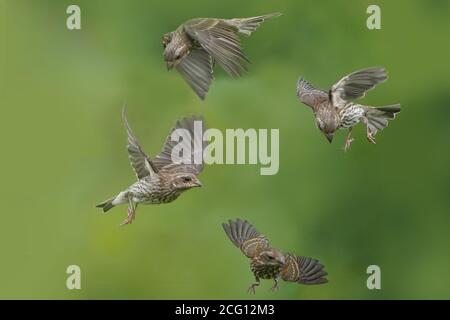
[245, 237]
[355, 85]
[141, 163]
[303, 270]
[190, 141]
[197, 70]
[220, 40]
[309, 95]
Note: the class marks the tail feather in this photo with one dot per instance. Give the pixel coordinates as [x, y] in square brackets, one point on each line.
[248, 25]
[107, 205]
[378, 117]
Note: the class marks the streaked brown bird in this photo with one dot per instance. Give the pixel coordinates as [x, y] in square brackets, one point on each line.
[267, 262]
[194, 47]
[164, 178]
[336, 108]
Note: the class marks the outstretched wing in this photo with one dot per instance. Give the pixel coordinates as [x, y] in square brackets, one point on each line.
[141, 163]
[197, 70]
[246, 237]
[303, 270]
[356, 84]
[183, 149]
[309, 95]
[221, 41]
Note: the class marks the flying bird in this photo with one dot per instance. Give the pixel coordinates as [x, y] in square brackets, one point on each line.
[195, 46]
[336, 108]
[267, 262]
[163, 178]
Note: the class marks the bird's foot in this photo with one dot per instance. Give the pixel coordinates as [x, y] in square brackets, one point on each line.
[347, 144]
[252, 288]
[371, 138]
[275, 287]
[130, 218]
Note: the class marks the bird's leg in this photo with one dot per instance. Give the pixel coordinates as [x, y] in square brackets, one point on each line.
[131, 213]
[368, 133]
[252, 288]
[370, 137]
[348, 140]
[275, 286]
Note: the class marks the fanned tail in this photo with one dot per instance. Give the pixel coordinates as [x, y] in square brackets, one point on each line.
[378, 117]
[248, 25]
[107, 205]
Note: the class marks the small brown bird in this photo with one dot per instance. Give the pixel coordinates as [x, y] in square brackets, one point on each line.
[164, 178]
[335, 109]
[195, 46]
[267, 262]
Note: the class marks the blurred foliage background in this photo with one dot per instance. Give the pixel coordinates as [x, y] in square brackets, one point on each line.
[63, 141]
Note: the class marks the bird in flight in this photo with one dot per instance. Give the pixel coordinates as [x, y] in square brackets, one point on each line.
[267, 262]
[336, 108]
[195, 46]
[163, 178]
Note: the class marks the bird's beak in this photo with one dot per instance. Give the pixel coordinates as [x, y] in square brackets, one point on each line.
[329, 137]
[282, 260]
[170, 65]
[198, 184]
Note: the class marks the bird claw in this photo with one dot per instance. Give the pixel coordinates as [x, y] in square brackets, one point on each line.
[129, 219]
[251, 289]
[371, 138]
[275, 287]
[347, 144]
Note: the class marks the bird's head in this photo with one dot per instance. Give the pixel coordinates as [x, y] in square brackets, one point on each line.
[327, 122]
[174, 52]
[185, 181]
[272, 257]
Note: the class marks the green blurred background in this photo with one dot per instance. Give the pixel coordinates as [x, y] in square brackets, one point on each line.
[63, 143]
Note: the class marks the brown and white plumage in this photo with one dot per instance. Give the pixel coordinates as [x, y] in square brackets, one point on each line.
[164, 178]
[195, 46]
[267, 262]
[336, 108]
[303, 270]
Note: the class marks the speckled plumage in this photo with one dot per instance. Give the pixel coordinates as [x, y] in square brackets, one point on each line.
[162, 179]
[195, 46]
[153, 190]
[267, 262]
[263, 271]
[335, 109]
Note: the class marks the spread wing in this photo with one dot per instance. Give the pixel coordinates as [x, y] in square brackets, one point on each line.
[141, 163]
[197, 70]
[303, 270]
[183, 149]
[355, 85]
[220, 40]
[246, 237]
[309, 95]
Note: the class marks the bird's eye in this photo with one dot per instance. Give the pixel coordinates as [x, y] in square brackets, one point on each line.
[165, 40]
[187, 179]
